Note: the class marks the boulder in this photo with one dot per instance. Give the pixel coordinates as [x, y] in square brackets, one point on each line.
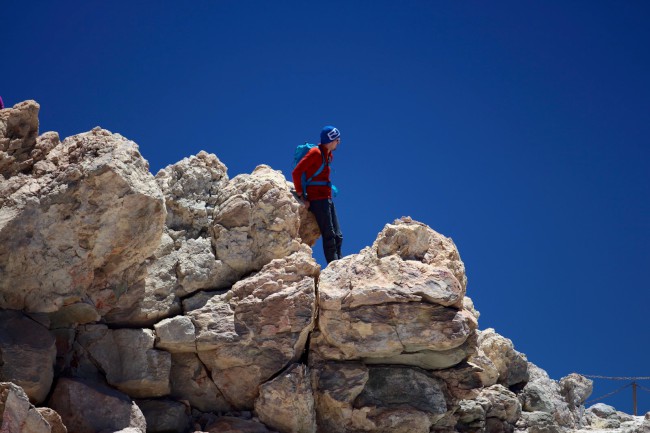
[128, 359]
[17, 414]
[351, 397]
[71, 233]
[176, 335]
[542, 394]
[253, 331]
[575, 389]
[286, 403]
[256, 220]
[18, 134]
[165, 416]
[364, 300]
[53, 419]
[511, 365]
[89, 408]
[191, 381]
[27, 354]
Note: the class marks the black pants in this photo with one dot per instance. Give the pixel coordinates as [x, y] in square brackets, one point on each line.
[328, 224]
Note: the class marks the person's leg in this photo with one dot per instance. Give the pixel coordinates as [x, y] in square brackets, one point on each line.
[322, 211]
[338, 235]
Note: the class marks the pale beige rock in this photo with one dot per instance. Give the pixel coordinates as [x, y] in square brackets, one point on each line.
[254, 330]
[53, 419]
[286, 403]
[412, 240]
[92, 408]
[71, 233]
[27, 354]
[17, 414]
[511, 365]
[396, 303]
[176, 334]
[18, 132]
[129, 359]
[191, 381]
[79, 313]
[256, 220]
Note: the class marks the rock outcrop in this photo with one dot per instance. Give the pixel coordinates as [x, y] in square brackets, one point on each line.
[190, 301]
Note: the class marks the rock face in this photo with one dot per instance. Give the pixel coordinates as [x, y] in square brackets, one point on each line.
[197, 295]
[70, 228]
[364, 299]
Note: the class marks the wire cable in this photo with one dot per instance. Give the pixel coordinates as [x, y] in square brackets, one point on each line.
[608, 395]
[615, 378]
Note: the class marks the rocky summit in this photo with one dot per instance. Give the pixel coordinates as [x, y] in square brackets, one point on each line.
[189, 301]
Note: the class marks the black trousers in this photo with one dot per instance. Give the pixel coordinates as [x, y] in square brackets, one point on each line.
[328, 223]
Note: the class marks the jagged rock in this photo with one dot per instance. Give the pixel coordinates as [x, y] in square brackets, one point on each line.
[502, 409]
[575, 389]
[129, 360]
[538, 422]
[413, 240]
[18, 132]
[90, 408]
[542, 394]
[286, 403]
[53, 419]
[164, 416]
[229, 424]
[176, 335]
[70, 234]
[364, 299]
[27, 354]
[17, 414]
[253, 331]
[71, 315]
[351, 397]
[256, 220]
[192, 382]
[191, 187]
[463, 380]
[511, 365]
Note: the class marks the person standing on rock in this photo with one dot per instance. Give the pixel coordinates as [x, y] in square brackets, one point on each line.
[2, 105]
[317, 193]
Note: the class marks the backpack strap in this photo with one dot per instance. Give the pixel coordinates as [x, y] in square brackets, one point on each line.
[308, 182]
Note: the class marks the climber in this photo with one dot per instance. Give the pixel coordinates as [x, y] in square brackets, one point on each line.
[316, 194]
[2, 105]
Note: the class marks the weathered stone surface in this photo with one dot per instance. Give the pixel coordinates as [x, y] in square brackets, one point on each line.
[575, 389]
[53, 419]
[191, 381]
[176, 335]
[254, 330]
[286, 403]
[165, 416]
[351, 397]
[538, 422]
[511, 365]
[129, 360]
[413, 240]
[365, 298]
[17, 414]
[91, 408]
[27, 354]
[18, 132]
[71, 233]
[256, 220]
[71, 315]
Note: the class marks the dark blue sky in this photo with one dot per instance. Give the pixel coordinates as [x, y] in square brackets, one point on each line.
[519, 129]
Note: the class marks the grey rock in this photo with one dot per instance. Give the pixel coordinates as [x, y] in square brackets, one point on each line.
[165, 416]
[89, 408]
[17, 414]
[27, 354]
[286, 403]
[176, 335]
[191, 381]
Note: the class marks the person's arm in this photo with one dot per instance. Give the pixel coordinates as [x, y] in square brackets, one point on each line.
[309, 164]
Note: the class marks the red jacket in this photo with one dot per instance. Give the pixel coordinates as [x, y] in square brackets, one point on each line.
[309, 164]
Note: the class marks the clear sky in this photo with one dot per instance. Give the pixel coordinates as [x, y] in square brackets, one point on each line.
[518, 128]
